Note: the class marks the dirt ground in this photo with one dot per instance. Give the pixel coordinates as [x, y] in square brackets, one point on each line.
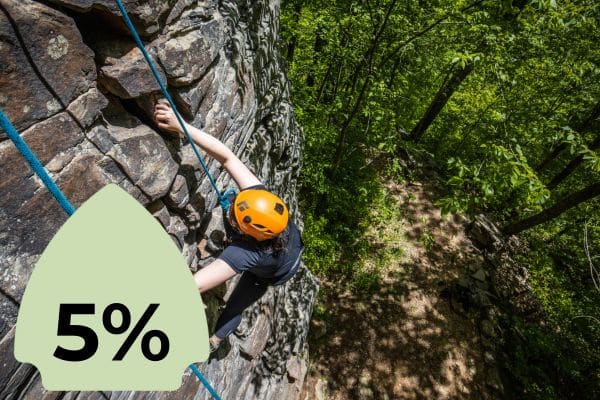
[406, 341]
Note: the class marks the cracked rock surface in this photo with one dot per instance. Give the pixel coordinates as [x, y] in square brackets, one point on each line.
[75, 87]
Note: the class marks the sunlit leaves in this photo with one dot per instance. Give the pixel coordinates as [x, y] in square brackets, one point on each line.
[535, 79]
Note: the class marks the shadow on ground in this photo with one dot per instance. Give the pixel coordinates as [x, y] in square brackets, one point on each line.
[405, 341]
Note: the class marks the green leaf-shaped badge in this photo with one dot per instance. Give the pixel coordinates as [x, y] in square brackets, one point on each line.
[111, 304]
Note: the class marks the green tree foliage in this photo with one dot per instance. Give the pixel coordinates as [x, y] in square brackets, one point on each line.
[502, 98]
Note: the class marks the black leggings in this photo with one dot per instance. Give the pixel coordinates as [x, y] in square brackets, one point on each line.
[247, 291]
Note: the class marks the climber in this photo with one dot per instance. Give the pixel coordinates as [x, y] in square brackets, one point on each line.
[264, 244]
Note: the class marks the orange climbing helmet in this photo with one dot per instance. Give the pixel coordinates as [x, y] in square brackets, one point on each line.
[260, 214]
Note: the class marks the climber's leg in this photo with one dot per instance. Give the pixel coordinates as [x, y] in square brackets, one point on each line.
[246, 292]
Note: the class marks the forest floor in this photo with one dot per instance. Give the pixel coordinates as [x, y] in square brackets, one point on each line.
[404, 340]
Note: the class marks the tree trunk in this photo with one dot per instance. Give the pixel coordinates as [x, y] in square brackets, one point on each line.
[440, 100]
[337, 80]
[291, 48]
[560, 207]
[551, 157]
[324, 81]
[320, 42]
[339, 151]
[341, 142]
[568, 170]
[581, 128]
[394, 72]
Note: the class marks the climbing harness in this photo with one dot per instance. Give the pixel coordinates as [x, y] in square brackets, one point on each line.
[37, 167]
[222, 198]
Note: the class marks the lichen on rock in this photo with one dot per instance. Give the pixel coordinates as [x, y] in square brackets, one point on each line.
[58, 47]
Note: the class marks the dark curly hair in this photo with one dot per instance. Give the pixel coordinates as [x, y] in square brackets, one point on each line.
[278, 244]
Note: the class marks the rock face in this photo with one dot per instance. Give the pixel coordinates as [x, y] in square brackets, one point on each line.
[495, 290]
[76, 88]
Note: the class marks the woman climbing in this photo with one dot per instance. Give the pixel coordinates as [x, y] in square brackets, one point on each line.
[265, 245]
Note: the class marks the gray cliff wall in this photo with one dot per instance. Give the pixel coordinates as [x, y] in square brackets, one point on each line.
[80, 94]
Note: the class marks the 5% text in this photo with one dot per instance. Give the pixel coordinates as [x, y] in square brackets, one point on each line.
[90, 338]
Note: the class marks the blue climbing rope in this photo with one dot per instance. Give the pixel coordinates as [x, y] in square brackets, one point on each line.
[202, 379]
[37, 167]
[222, 200]
[35, 164]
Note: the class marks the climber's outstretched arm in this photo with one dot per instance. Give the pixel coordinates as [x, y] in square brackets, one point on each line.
[213, 275]
[165, 119]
